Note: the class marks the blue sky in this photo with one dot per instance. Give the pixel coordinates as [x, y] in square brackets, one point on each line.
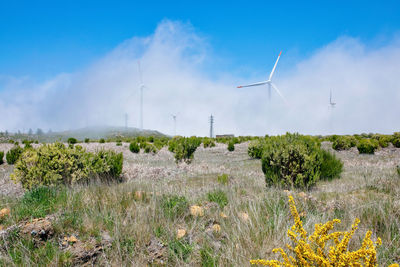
[71, 64]
[43, 38]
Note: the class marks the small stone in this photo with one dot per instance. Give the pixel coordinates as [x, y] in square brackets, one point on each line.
[216, 228]
[223, 215]
[302, 194]
[196, 211]
[181, 233]
[244, 216]
[138, 195]
[72, 239]
[4, 212]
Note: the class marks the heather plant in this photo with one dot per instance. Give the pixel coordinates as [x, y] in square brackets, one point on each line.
[367, 146]
[56, 164]
[344, 143]
[13, 154]
[150, 148]
[134, 147]
[1, 157]
[323, 248]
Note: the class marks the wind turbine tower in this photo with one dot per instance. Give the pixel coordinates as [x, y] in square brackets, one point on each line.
[141, 87]
[332, 104]
[268, 82]
[174, 118]
[211, 126]
[126, 120]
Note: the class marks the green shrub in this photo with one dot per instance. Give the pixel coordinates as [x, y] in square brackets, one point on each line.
[344, 142]
[27, 143]
[223, 179]
[102, 141]
[331, 166]
[396, 141]
[13, 154]
[72, 141]
[174, 206]
[56, 164]
[367, 146]
[1, 157]
[184, 148]
[150, 148]
[255, 149]
[118, 143]
[150, 139]
[231, 146]
[219, 197]
[208, 142]
[291, 160]
[87, 140]
[134, 147]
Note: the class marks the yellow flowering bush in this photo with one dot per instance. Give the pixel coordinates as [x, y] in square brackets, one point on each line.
[323, 248]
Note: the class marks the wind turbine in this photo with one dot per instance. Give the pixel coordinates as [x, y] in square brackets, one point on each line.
[141, 87]
[268, 82]
[332, 104]
[174, 118]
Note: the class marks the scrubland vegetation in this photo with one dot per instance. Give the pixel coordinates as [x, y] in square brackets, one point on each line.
[191, 201]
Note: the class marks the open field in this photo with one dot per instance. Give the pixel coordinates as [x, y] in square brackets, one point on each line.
[129, 223]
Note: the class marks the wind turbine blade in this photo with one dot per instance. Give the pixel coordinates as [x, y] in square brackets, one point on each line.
[140, 73]
[273, 69]
[279, 93]
[253, 84]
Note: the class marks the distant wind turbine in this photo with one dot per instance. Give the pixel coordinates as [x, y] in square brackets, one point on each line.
[141, 87]
[174, 116]
[268, 82]
[332, 104]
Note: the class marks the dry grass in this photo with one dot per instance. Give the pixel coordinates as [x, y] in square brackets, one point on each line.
[369, 189]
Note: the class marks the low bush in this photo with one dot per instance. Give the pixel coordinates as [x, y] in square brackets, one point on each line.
[118, 143]
[174, 206]
[293, 160]
[27, 143]
[219, 197]
[56, 164]
[367, 146]
[102, 141]
[72, 141]
[150, 148]
[208, 142]
[184, 148]
[87, 140]
[331, 166]
[134, 147]
[396, 141]
[1, 157]
[255, 149]
[231, 146]
[13, 154]
[344, 142]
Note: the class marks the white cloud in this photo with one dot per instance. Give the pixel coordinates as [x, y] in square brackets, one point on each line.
[174, 63]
